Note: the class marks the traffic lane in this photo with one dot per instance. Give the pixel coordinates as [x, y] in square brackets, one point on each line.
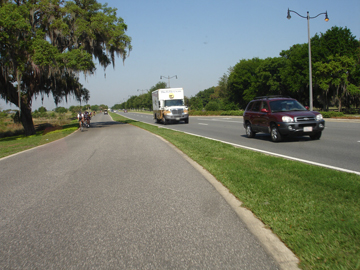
[117, 196]
[335, 148]
[338, 147]
[203, 126]
[340, 143]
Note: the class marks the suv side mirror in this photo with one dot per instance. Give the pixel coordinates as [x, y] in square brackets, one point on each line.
[264, 110]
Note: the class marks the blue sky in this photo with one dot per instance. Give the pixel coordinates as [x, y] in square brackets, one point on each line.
[198, 40]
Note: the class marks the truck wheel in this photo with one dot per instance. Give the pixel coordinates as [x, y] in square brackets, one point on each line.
[164, 121]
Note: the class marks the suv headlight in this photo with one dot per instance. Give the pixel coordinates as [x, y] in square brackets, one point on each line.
[287, 119]
[319, 117]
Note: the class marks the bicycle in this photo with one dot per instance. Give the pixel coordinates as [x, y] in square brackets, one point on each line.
[86, 122]
[81, 126]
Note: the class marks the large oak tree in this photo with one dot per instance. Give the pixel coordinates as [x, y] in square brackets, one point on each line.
[45, 44]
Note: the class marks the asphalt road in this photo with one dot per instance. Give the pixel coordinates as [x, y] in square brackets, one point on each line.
[339, 146]
[118, 197]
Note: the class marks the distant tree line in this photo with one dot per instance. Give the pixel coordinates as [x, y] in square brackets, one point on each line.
[142, 102]
[335, 68]
[43, 112]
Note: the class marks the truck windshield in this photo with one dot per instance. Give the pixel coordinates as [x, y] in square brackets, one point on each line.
[174, 102]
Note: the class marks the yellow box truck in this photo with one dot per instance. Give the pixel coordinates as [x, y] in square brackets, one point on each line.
[169, 106]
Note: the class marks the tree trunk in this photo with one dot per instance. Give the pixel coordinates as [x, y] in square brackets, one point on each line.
[26, 119]
[339, 105]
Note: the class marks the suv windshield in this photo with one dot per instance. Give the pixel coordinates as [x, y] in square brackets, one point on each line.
[286, 105]
[174, 102]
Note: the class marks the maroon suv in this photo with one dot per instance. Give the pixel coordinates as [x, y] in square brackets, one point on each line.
[281, 116]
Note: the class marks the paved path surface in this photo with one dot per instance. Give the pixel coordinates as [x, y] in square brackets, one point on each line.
[118, 197]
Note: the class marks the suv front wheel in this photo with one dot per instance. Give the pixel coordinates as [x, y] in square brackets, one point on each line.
[316, 136]
[275, 134]
[249, 132]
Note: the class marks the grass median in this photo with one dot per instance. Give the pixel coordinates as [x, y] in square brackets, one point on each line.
[314, 210]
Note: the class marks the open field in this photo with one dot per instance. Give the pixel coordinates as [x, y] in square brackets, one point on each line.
[14, 144]
[48, 129]
[50, 119]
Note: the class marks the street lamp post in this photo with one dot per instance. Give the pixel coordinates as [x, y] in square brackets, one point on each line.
[168, 77]
[310, 69]
[142, 90]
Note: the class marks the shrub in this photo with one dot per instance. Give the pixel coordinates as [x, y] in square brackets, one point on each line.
[61, 110]
[74, 108]
[235, 113]
[230, 107]
[35, 114]
[38, 114]
[42, 109]
[331, 114]
[212, 106]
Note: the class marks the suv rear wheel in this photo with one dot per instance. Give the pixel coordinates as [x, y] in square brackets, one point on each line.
[249, 132]
[275, 134]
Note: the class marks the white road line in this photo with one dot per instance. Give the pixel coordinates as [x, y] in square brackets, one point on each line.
[268, 153]
[216, 120]
[203, 124]
[279, 155]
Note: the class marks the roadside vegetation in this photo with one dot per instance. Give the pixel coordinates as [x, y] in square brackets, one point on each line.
[336, 78]
[315, 211]
[49, 126]
[17, 143]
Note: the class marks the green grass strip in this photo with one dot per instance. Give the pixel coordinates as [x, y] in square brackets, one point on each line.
[314, 210]
[15, 144]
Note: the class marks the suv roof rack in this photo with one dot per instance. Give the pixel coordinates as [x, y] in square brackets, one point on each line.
[272, 96]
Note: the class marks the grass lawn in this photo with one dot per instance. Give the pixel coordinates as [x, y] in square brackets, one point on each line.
[314, 210]
[14, 144]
